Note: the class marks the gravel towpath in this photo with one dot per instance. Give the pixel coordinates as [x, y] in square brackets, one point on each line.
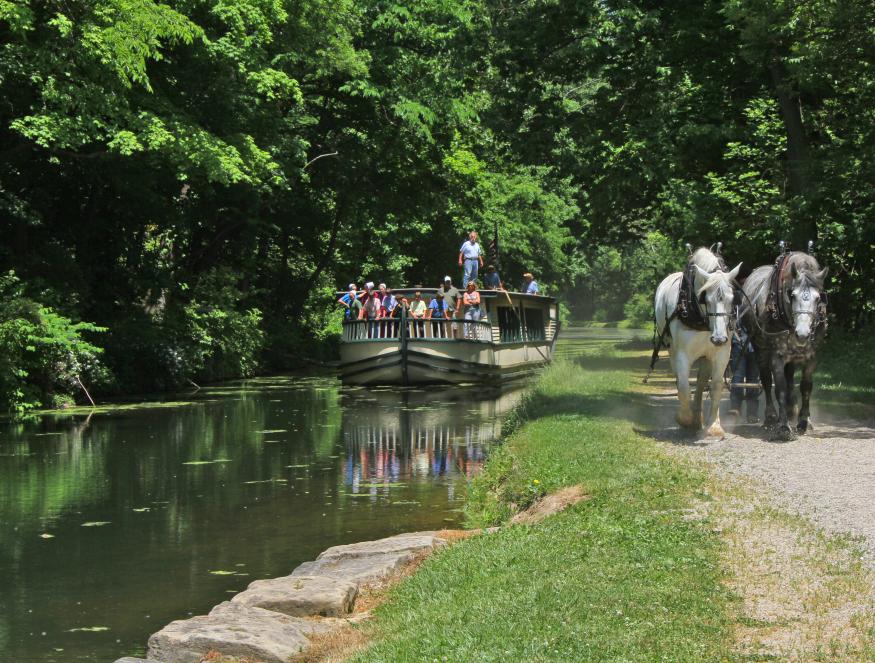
[827, 475]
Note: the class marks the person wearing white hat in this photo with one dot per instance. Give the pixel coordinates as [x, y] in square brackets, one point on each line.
[452, 301]
[351, 302]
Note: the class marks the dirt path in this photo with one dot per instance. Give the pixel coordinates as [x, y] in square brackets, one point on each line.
[803, 596]
[827, 475]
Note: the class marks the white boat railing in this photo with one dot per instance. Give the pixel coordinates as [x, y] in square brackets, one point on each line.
[416, 329]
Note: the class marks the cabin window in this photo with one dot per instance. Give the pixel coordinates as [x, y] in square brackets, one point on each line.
[509, 328]
[535, 324]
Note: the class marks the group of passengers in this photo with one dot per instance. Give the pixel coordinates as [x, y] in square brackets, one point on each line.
[379, 304]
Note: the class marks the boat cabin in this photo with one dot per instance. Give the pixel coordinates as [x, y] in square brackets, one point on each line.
[515, 336]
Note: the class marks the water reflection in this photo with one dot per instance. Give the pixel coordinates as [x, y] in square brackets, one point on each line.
[418, 434]
[121, 519]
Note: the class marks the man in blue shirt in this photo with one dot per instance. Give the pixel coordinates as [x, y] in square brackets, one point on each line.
[352, 304]
[389, 306]
[530, 286]
[470, 258]
[492, 281]
[437, 310]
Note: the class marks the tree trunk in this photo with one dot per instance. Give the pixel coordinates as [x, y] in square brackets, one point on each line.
[797, 147]
[339, 210]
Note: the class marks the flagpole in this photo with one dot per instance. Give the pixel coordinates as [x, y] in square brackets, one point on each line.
[495, 244]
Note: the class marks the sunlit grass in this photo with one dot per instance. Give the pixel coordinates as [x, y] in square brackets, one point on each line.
[621, 576]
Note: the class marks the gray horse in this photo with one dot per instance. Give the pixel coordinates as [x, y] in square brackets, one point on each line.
[786, 317]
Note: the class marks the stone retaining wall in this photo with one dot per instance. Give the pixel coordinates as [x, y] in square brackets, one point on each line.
[274, 619]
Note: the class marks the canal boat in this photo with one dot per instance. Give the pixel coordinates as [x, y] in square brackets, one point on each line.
[515, 337]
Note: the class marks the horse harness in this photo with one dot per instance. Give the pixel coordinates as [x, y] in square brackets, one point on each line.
[775, 304]
[689, 310]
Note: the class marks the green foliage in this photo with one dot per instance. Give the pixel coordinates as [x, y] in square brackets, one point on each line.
[299, 146]
[654, 258]
[212, 337]
[43, 354]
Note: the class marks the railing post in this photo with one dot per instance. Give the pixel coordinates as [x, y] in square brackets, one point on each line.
[403, 334]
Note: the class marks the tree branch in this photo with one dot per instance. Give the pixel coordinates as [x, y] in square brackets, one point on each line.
[329, 154]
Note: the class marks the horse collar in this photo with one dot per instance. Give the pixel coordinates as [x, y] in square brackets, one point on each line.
[776, 294]
[688, 310]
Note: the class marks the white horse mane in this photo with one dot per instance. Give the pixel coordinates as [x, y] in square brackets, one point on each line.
[705, 259]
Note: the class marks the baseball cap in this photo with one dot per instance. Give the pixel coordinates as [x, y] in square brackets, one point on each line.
[351, 286]
[447, 278]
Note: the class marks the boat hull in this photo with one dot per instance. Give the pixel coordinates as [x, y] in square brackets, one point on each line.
[440, 362]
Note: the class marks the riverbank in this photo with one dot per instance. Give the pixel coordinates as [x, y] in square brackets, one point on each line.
[624, 574]
[666, 560]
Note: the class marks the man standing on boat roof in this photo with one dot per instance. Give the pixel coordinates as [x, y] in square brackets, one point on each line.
[470, 258]
[530, 285]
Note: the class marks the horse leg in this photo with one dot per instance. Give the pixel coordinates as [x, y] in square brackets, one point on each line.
[770, 416]
[718, 368]
[783, 432]
[682, 372]
[701, 381]
[806, 385]
[790, 377]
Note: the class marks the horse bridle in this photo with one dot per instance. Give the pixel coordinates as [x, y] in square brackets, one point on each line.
[730, 325]
[817, 315]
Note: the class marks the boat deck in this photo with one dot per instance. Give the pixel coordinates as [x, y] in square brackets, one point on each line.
[515, 338]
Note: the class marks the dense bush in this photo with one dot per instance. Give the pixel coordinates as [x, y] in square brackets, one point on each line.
[654, 258]
[620, 282]
[203, 334]
[44, 358]
[213, 336]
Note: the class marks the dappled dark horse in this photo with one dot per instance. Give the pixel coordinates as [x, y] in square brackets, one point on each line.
[786, 316]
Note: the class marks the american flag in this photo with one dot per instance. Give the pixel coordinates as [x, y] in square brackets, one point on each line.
[493, 247]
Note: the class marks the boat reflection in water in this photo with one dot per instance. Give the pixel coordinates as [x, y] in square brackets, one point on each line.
[393, 434]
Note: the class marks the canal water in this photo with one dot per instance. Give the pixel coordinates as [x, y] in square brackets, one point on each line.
[113, 524]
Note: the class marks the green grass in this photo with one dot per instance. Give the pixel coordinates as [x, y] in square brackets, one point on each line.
[619, 577]
[611, 324]
[846, 369]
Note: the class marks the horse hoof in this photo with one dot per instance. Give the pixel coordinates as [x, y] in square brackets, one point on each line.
[802, 427]
[783, 434]
[716, 431]
[770, 422]
[684, 421]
